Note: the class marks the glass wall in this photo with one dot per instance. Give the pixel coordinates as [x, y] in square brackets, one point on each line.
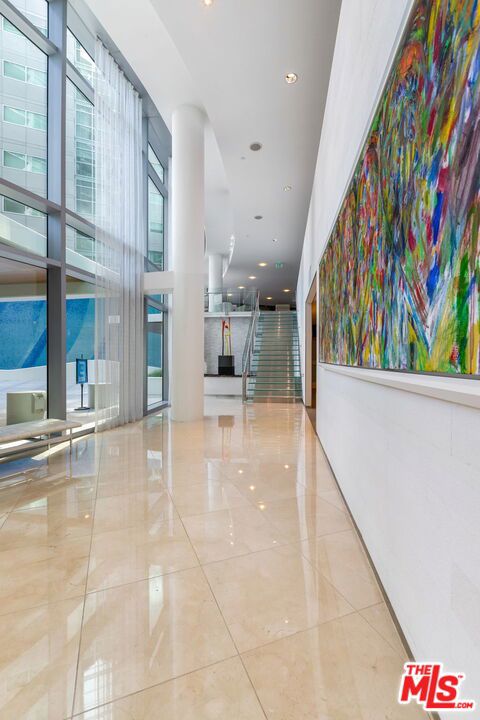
[79, 57]
[22, 226]
[155, 226]
[23, 121]
[23, 342]
[80, 167]
[36, 355]
[80, 346]
[156, 164]
[34, 10]
[155, 342]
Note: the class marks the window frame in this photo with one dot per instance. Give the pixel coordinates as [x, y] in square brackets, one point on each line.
[62, 15]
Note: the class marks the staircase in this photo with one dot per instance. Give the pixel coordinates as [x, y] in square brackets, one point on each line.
[275, 364]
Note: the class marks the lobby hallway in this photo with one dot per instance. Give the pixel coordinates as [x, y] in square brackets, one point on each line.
[195, 571]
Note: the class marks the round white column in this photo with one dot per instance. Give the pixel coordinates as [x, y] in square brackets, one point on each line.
[215, 280]
[188, 228]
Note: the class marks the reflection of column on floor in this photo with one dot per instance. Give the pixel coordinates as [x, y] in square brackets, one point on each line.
[185, 444]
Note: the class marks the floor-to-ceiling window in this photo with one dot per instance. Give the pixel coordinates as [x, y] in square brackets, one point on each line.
[23, 342]
[48, 250]
[80, 335]
[156, 314]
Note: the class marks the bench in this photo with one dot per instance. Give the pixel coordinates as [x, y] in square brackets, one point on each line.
[38, 431]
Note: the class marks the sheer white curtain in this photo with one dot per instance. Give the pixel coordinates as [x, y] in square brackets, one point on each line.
[120, 245]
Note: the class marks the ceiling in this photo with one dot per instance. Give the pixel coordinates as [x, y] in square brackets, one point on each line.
[231, 59]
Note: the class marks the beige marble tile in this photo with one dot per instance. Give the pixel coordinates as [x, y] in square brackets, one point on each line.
[341, 559]
[139, 552]
[142, 508]
[202, 498]
[229, 533]
[35, 575]
[47, 524]
[58, 489]
[112, 482]
[272, 594]
[218, 692]
[38, 657]
[265, 471]
[317, 478]
[259, 490]
[10, 494]
[144, 633]
[305, 516]
[183, 473]
[380, 619]
[340, 670]
[334, 497]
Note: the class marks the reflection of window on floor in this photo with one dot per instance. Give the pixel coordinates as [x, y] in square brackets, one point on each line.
[23, 342]
[97, 683]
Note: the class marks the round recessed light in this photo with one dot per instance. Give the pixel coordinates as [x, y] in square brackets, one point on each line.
[258, 217]
[252, 277]
[275, 240]
[291, 78]
[256, 146]
[269, 298]
[208, 3]
[287, 188]
[241, 287]
[287, 290]
[229, 294]
[262, 264]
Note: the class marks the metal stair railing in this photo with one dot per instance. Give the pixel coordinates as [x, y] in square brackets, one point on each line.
[249, 345]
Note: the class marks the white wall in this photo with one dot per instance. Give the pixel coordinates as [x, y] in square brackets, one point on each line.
[409, 465]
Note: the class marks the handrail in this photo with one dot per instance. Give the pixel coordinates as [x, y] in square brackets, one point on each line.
[249, 345]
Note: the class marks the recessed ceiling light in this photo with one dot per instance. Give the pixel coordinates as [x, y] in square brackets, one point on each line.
[291, 78]
[252, 277]
[269, 298]
[229, 294]
[275, 240]
[287, 188]
[262, 264]
[256, 146]
[241, 287]
[258, 217]
[287, 290]
[208, 3]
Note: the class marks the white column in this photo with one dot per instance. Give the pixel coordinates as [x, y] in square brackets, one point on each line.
[215, 280]
[188, 227]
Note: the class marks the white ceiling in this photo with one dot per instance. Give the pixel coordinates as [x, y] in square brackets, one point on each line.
[231, 59]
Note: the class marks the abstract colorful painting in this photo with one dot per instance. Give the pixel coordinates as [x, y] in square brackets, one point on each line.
[400, 276]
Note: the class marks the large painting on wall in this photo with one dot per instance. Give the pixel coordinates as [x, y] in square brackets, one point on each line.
[400, 276]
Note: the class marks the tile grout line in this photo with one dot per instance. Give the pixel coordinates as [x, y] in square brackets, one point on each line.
[219, 610]
[75, 685]
[149, 687]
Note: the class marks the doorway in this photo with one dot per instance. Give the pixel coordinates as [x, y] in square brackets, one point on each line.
[311, 352]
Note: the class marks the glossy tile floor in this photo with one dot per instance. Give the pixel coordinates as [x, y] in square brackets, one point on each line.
[200, 571]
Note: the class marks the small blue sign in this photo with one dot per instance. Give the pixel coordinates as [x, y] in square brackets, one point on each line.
[82, 371]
